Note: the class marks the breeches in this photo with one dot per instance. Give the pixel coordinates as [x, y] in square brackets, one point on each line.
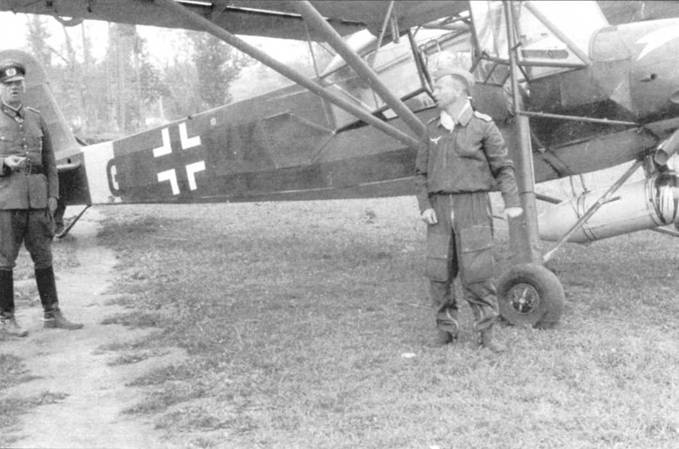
[34, 228]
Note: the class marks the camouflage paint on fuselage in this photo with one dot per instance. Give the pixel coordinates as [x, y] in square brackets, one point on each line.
[290, 144]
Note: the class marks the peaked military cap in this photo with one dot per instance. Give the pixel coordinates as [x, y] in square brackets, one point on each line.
[11, 71]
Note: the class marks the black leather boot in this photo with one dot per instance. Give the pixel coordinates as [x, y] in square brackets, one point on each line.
[8, 324]
[47, 288]
[6, 291]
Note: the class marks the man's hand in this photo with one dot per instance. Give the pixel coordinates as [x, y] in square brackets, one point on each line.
[15, 162]
[52, 204]
[513, 212]
[429, 216]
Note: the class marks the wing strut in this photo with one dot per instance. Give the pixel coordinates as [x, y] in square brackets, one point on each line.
[605, 198]
[311, 15]
[316, 88]
[671, 232]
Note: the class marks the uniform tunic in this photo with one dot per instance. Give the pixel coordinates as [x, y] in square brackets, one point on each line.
[24, 216]
[455, 171]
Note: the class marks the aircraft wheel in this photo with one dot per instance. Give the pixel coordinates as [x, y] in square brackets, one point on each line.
[530, 294]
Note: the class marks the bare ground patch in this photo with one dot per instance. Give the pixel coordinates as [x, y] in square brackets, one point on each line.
[64, 390]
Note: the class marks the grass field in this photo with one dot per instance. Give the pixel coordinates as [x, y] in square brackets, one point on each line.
[308, 326]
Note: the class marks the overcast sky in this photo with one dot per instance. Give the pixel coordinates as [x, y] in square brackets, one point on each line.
[13, 30]
[161, 42]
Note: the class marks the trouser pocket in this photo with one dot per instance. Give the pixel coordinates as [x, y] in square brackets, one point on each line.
[438, 245]
[476, 253]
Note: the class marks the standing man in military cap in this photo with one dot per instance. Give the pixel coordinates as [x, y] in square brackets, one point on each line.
[29, 188]
[463, 158]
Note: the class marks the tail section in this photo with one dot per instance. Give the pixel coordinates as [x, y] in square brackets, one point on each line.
[73, 187]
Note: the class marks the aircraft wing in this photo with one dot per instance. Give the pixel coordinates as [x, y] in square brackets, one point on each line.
[259, 18]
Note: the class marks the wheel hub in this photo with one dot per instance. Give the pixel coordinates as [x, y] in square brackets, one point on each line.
[524, 298]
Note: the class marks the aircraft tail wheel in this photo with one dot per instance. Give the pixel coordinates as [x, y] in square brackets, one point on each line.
[530, 294]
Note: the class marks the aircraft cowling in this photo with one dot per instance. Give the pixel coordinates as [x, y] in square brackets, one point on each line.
[645, 204]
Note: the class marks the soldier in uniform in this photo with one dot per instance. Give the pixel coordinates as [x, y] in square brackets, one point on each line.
[29, 188]
[463, 158]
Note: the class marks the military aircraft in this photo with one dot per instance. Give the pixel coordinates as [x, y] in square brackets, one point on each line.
[571, 93]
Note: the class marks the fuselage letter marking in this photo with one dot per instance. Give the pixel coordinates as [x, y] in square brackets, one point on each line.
[114, 177]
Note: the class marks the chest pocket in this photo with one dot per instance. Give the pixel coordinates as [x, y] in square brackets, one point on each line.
[8, 134]
[8, 139]
[33, 135]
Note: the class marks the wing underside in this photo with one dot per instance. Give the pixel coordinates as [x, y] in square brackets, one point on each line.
[261, 18]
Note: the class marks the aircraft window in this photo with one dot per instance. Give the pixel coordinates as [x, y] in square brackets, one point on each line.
[432, 43]
[551, 33]
[608, 46]
[576, 19]
[457, 45]
[395, 65]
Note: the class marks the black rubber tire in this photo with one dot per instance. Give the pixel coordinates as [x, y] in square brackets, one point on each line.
[546, 297]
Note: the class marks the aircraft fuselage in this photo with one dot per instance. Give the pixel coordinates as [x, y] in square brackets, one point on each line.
[286, 144]
[633, 77]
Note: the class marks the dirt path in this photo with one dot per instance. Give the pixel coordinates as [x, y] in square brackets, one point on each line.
[73, 364]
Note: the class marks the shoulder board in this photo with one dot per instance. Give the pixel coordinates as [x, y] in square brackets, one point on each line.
[28, 108]
[483, 116]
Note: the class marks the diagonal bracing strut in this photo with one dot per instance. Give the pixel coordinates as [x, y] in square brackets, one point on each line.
[605, 198]
[311, 15]
[363, 114]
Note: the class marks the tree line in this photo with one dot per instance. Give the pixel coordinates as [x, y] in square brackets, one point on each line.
[123, 92]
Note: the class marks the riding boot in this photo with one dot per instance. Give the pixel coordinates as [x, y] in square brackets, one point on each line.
[8, 323]
[47, 288]
[7, 291]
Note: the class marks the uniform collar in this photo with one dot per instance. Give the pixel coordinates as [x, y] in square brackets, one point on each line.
[462, 117]
[12, 112]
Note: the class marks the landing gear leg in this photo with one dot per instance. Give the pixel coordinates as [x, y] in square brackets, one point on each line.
[528, 293]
